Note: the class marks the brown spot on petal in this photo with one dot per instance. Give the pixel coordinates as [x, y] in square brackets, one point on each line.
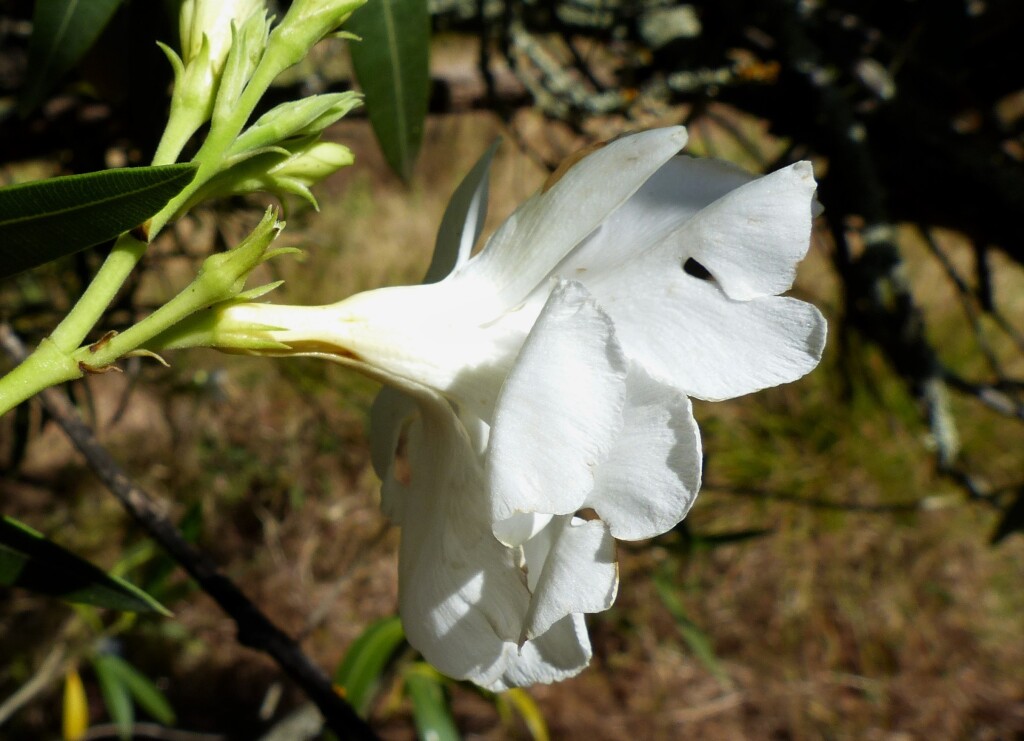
[565, 165]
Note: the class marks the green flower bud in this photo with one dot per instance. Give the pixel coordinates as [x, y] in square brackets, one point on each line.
[247, 49]
[292, 169]
[207, 33]
[306, 23]
[296, 118]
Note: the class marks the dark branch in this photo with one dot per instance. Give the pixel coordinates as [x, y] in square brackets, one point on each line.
[255, 630]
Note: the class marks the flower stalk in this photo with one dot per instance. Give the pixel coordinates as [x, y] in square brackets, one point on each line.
[229, 59]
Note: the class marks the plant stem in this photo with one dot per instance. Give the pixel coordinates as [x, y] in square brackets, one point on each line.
[47, 366]
[72, 330]
[57, 360]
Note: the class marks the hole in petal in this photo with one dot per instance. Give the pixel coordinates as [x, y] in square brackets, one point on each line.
[694, 268]
[587, 514]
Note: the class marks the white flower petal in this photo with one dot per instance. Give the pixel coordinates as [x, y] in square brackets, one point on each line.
[748, 232]
[671, 197]
[577, 572]
[689, 332]
[686, 332]
[562, 652]
[542, 231]
[652, 474]
[463, 595]
[751, 239]
[559, 410]
[521, 527]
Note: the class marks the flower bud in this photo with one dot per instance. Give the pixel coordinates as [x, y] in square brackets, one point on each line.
[314, 162]
[210, 29]
[306, 23]
[250, 42]
[296, 118]
[291, 169]
[208, 22]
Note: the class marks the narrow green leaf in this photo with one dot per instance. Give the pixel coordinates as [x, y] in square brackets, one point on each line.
[47, 219]
[62, 31]
[360, 671]
[146, 694]
[392, 65]
[116, 695]
[30, 561]
[694, 637]
[429, 704]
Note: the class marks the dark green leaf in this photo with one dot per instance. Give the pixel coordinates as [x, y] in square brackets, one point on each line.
[116, 695]
[429, 704]
[360, 671]
[1012, 520]
[392, 64]
[47, 219]
[30, 561]
[142, 690]
[62, 31]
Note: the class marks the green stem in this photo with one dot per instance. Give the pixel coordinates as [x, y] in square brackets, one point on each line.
[56, 360]
[210, 156]
[72, 330]
[46, 366]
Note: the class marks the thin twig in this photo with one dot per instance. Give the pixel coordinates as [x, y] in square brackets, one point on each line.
[967, 297]
[255, 629]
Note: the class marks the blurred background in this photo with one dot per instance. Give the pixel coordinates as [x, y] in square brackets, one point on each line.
[853, 567]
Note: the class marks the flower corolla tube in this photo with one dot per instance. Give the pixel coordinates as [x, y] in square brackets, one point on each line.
[537, 398]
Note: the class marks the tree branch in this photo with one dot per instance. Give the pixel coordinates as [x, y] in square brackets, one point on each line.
[254, 629]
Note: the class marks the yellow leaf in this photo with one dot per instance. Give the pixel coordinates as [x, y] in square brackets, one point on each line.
[529, 712]
[76, 706]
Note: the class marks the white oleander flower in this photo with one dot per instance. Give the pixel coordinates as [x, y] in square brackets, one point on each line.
[540, 389]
